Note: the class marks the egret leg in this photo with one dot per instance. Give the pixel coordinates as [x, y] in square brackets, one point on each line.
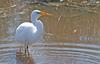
[20, 50]
[28, 50]
[25, 51]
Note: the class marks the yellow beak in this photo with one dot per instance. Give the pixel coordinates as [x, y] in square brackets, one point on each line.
[45, 14]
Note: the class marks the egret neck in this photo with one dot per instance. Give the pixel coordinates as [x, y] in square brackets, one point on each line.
[34, 17]
[37, 23]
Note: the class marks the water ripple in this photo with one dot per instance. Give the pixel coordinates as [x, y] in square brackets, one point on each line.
[55, 53]
[74, 52]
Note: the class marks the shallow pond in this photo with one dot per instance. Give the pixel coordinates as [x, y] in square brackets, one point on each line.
[72, 34]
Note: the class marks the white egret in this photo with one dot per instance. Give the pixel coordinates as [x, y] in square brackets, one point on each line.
[31, 32]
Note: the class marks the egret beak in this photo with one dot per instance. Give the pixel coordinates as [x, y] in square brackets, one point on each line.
[45, 14]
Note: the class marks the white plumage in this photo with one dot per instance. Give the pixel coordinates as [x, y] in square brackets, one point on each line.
[27, 32]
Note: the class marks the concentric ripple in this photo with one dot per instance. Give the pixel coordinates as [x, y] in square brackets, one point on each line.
[70, 53]
[53, 53]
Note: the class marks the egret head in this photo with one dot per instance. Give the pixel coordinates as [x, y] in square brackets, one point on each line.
[37, 13]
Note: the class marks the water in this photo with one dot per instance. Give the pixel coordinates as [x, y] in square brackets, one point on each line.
[72, 34]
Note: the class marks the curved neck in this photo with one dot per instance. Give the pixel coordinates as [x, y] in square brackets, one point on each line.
[34, 18]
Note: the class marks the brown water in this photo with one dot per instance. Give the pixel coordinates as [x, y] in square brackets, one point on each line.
[72, 34]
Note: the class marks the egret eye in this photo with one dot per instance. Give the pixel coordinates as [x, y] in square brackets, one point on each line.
[38, 12]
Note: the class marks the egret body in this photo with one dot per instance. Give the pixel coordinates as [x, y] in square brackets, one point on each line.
[31, 32]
